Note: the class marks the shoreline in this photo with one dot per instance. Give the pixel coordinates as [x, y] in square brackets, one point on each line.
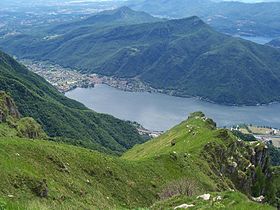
[166, 92]
[66, 80]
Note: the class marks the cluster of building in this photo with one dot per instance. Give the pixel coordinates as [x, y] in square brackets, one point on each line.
[66, 79]
[63, 79]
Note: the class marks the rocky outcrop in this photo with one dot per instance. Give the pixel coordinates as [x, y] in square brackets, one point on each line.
[7, 107]
[237, 161]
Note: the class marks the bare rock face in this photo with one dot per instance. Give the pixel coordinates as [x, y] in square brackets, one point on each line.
[7, 107]
[237, 161]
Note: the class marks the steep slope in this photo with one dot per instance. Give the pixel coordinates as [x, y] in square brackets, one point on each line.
[60, 116]
[239, 165]
[183, 57]
[50, 175]
[233, 17]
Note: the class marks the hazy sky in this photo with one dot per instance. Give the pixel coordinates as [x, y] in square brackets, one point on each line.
[253, 1]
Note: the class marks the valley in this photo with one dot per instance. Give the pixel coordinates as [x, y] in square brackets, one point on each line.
[160, 54]
[139, 104]
[157, 111]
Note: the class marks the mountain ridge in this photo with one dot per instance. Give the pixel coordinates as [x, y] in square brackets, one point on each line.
[182, 57]
[51, 175]
[231, 17]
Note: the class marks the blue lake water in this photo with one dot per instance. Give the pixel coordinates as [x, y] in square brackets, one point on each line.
[161, 112]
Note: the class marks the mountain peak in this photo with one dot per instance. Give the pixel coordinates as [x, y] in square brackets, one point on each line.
[124, 13]
[193, 20]
[125, 9]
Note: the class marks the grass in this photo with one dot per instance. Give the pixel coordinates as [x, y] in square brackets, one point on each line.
[229, 201]
[92, 180]
[79, 178]
[190, 137]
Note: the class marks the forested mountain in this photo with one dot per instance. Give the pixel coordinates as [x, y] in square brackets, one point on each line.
[233, 17]
[63, 118]
[108, 18]
[183, 57]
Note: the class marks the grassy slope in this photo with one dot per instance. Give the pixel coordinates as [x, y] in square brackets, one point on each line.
[186, 142]
[125, 183]
[79, 178]
[60, 116]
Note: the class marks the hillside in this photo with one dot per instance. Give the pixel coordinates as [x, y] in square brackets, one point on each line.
[51, 175]
[274, 43]
[183, 57]
[64, 119]
[232, 17]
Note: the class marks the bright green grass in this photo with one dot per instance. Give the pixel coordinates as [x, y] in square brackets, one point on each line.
[94, 179]
[186, 142]
[79, 178]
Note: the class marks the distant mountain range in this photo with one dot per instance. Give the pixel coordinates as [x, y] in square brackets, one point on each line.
[183, 57]
[233, 17]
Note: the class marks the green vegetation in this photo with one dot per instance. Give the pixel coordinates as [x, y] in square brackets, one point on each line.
[183, 57]
[193, 158]
[64, 119]
[274, 154]
[110, 18]
[229, 201]
[50, 175]
[244, 136]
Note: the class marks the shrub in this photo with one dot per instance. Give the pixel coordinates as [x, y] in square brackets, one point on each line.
[181, 187]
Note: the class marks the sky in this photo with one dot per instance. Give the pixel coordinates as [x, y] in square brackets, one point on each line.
[254, 1]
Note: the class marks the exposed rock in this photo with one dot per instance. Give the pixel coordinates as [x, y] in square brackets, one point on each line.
[237, 161]
[205, 197]
[218, 198]
[184, 206]
[42, 189]
[259, 199]
[7, 107]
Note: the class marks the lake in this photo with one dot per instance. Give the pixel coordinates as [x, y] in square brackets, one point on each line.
[160, 112]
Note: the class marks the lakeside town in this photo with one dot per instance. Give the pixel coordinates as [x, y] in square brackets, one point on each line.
[66, 79]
